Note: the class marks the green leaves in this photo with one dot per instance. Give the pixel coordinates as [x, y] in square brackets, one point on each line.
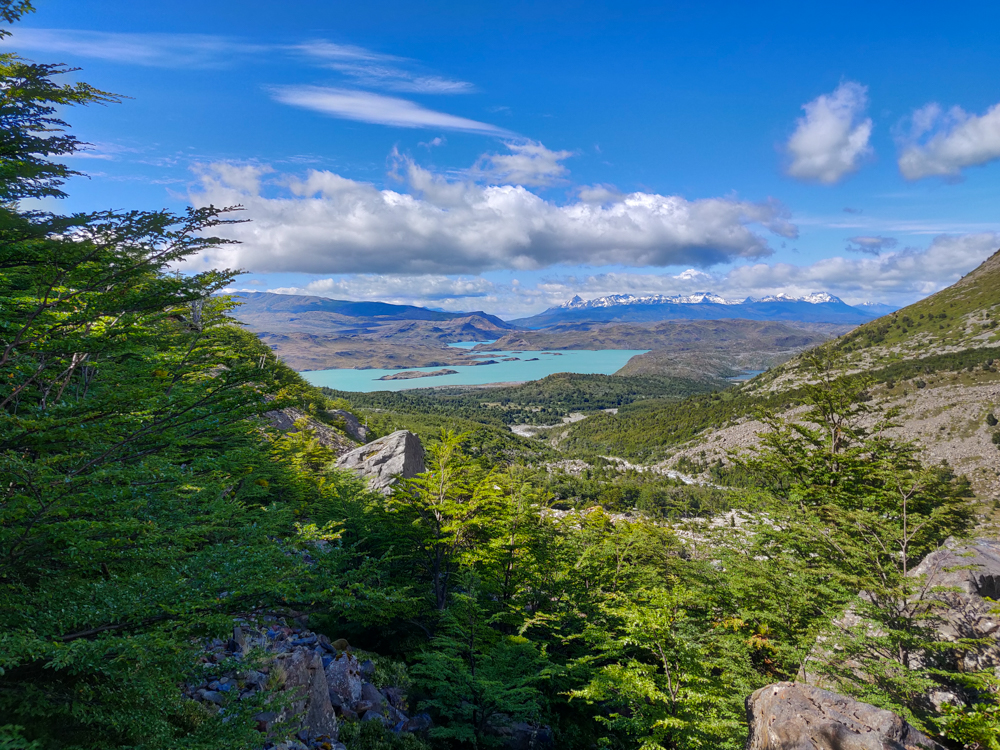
[660, 675]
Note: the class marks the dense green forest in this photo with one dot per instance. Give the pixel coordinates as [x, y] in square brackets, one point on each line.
[146, 504]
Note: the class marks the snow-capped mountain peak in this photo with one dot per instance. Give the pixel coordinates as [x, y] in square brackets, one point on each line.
[614, 300]
[816, 298]
[698, 298]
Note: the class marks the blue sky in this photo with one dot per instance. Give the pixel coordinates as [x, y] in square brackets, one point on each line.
[506, 156]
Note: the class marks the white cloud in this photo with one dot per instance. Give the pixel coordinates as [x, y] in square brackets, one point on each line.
[529, 163]
[365, 106]
[323, 52]
[151, 50]
[944, 143]
[364, 67]
[398, 79]
[420, 289]
[831, 140]
[900, 278]
[325, 223]
[907, 273]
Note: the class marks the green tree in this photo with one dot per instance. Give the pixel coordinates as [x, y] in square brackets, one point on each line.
[660, 677]
[480, 682]
[440, 506]
[142, 505]
[857, 511]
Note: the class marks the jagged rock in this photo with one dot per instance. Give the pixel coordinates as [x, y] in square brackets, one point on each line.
[418, 723]
[305, 682]
[396, 697]
[966, 574]
[524, 736]
[343, 677]
[320, 719]
[352, 426]
[370, 693]
[794, 716]
[298, 681]
[368, 669]
[383, 461]
[285, 419]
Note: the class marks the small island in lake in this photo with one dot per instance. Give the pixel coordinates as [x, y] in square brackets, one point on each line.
[410, 374]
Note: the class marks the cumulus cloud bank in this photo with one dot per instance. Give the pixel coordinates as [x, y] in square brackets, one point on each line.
[325, 223]
[944, 143]
[831, 140]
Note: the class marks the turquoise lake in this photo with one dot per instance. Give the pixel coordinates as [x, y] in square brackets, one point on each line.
[601, 362]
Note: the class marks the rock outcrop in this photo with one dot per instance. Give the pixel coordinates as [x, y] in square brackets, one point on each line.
[319, 683]
[285, 419]
[352, 425]
[965, 575]
[793, 716]
[382, 462]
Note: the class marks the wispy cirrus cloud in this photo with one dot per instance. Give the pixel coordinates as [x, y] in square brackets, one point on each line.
[363, 67]
[381, 71]
[365, 106]
[151, 50]
[942, 144]
[831, 140]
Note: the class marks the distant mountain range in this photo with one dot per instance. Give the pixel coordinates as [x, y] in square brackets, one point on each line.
[818, 307]
[310, 311]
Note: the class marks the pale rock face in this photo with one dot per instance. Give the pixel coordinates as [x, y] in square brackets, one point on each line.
[966, 575]
[343, 677]
[305, 680]
[793, 716]
[382, 462]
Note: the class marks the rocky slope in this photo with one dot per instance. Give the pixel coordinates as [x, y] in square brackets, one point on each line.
[963, 316]
[947, 418]
[944, 408]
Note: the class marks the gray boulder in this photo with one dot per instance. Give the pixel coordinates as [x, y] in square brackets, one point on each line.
[306, 682]
[343, 677]
[383, 461]
[352, 426]
[794, 716]
[964, 576]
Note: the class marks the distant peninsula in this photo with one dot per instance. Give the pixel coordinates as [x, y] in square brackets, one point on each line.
[411, 374]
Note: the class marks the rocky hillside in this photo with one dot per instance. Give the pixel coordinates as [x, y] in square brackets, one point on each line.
[959, 318]
[936, 361]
